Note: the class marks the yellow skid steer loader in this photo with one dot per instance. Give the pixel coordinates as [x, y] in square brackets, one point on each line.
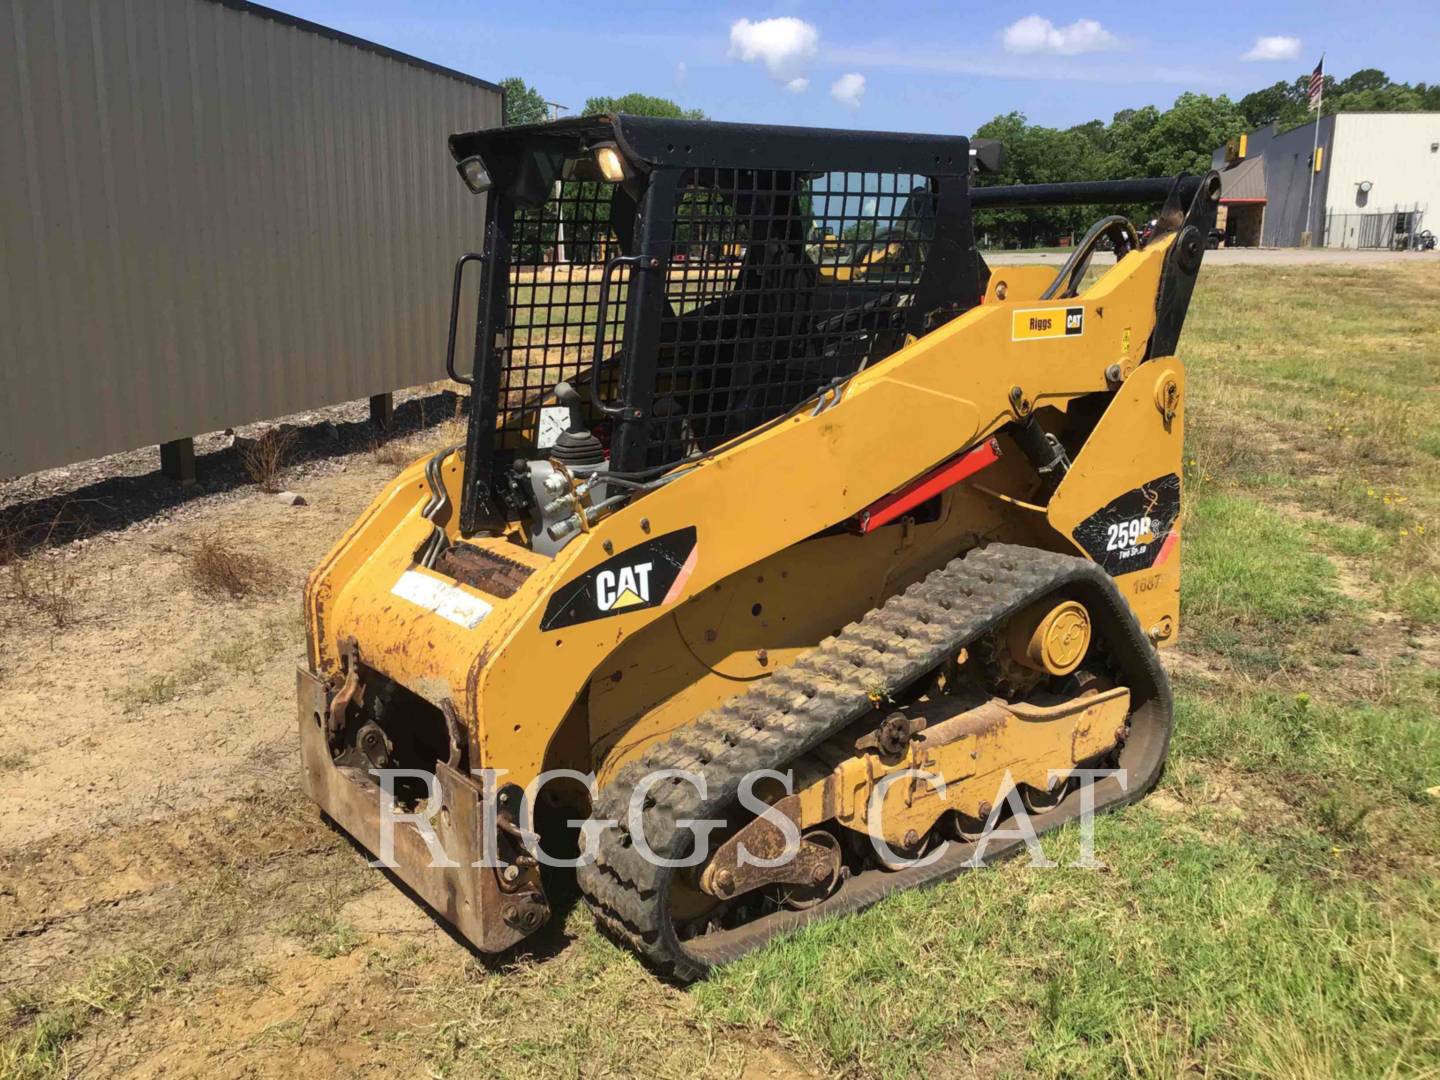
[762, 586]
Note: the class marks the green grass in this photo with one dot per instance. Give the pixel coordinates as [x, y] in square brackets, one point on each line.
[324, 935]
[150, 692]
[1391, 744]
[1251, 566]
[1201, 948]
[1271, 911]
[40, 1031]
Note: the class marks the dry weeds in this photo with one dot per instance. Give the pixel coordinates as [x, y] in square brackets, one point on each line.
[395, 455]
[266, 457]
[218, 568]
[36, 580]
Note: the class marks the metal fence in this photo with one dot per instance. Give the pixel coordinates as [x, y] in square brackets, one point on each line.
[212, 213]
[1393, 229]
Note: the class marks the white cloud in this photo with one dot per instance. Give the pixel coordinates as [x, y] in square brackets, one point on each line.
[682, 72]
[798, 85]
[1274, 47]
[784, 45]
[942, 58]
[1035, 34]
[848, 89]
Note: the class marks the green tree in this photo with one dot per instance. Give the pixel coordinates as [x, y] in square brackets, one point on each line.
[1267, 106]
[1130, 133]
[1041, 155]
[523, 103]
[640, 105]
[1187, 133]
[1364, 79]
[1396, 97]
[1287, 105]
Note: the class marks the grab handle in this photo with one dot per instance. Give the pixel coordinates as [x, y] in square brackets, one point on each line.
[601, 312]
[472, 256]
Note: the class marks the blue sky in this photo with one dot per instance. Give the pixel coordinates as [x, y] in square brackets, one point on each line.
[917, 66]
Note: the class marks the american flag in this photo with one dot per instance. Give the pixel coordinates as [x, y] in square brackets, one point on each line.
[1317, 83]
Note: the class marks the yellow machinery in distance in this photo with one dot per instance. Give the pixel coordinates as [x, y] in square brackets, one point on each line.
[733, 517]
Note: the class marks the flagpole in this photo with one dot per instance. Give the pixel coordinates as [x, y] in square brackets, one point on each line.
[1315, 150]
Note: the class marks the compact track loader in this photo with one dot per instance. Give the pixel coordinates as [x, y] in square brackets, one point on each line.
[791, 550]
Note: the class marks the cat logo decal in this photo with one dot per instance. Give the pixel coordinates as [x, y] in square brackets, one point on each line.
[648, 575]
[626, 587]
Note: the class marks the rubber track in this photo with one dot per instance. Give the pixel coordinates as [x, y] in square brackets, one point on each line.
[801, 705]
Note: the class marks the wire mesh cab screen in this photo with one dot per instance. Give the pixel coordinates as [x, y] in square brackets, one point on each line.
[724, 278]
[558, 253]
[776, 284]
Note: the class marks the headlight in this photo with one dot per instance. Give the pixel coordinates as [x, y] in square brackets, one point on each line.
[476, 176]
[612, 165]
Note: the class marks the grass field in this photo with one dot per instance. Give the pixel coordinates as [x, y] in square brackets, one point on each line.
[1275, 910]
[1272, 910]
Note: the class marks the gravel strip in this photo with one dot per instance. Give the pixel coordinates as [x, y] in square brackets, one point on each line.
[123, 491]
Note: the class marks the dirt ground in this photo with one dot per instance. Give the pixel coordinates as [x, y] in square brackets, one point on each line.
[156, 812]
[163, 772]
[159, 697]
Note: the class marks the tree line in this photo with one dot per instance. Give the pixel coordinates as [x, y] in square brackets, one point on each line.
[1152, 142]
[1367, 90]
[526, 105]
[1147, 141]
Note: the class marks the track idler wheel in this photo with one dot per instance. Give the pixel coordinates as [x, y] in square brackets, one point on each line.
[800, 897]
[1037, 801]
[1049, 637]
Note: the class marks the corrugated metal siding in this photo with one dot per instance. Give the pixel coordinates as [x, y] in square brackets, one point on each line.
[1287, 180]
[1391, 151]
[209, 217]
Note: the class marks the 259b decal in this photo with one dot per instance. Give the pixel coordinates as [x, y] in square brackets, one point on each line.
[1129, 532]
[645, 576]
[1127, 537]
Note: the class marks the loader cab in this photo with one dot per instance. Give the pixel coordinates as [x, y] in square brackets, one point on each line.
[652, 289]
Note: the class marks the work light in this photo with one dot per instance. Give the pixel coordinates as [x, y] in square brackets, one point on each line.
[612, 165]
[475, 175]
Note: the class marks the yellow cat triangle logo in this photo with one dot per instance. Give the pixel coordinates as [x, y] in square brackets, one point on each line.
[625, 587]
[628, 598]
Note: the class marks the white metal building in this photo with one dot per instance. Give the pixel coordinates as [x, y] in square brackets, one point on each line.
[1375, 184]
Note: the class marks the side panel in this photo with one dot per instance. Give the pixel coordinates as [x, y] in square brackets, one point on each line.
[1120, 502]
[760, 619]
